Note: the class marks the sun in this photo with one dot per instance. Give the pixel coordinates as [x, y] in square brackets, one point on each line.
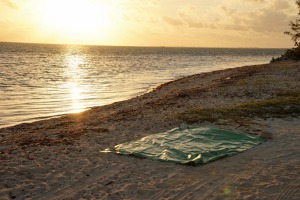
[75, 19]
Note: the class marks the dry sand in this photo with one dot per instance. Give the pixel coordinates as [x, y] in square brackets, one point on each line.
[60, 159]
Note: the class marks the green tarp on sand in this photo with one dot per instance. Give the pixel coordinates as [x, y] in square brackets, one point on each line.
[192, 146]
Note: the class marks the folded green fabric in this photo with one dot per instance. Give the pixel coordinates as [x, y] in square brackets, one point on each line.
[191, 146]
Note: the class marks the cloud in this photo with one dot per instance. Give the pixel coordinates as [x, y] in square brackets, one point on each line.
[280, 5]
[273, 4]
[254, 1]
[189, 20]
[267, 21]
[229, 11]
[262, 16]
[271, 16]
[173, 21]
[9, 4]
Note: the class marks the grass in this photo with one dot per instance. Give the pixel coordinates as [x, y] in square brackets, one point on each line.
[283, 105]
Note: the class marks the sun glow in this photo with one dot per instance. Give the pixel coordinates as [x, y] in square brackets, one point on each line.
[76, 19]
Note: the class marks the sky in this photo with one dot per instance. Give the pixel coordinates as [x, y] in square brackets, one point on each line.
[180, 23]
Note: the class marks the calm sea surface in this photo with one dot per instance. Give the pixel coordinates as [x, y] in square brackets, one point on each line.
[39, 80]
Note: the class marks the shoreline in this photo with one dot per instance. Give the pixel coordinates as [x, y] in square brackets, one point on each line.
[150, 88]
[59, 158]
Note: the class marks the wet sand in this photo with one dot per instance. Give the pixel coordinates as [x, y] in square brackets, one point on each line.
[59, 158]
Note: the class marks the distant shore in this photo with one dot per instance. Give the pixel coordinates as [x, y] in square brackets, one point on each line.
[59, 158]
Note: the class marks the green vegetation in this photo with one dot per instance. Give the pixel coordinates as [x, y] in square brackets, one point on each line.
[284, 105]
[290, 54]
[295, 28]
[294, 53]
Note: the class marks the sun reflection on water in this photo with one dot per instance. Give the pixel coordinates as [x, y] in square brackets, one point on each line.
[74, 61]
[77, 104]
[73, 73]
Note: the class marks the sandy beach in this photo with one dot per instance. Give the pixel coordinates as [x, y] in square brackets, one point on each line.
[60, 158]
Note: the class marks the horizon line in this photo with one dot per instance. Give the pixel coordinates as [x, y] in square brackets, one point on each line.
[154, 46]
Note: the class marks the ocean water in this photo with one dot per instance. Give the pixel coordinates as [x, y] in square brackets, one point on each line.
[39, 81]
